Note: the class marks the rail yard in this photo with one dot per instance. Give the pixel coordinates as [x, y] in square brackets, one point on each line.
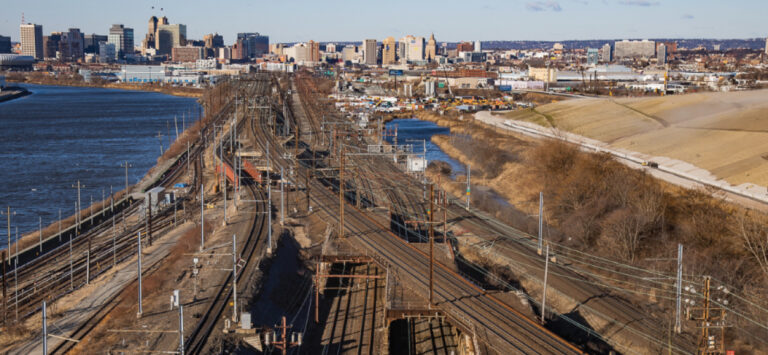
[303, 232]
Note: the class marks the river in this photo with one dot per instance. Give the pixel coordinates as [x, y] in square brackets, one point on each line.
[415, 131]
[59, 135]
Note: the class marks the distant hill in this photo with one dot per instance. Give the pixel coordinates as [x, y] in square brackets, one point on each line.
[690, 43]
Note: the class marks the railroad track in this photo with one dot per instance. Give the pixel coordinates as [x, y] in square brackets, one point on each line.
[500, 325]
[196, 341]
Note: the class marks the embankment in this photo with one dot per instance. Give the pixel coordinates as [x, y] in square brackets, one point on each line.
[163, 89]
[10, 93]
[597, 205]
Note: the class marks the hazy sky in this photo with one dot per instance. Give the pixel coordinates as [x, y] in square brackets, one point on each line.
[450, 20]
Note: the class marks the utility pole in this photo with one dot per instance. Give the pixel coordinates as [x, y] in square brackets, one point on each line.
[431, 243]
[138, 314]
[269, 203]
[234, 277]
[202, 217]
[45, 330]
[79, 207]
[282, 196]
[678, 324]
[544, 292]
[469, 177]
[283, 344]
[181, 328]
[40, 234]
[341, 193]
[126, 165]
[541, 219]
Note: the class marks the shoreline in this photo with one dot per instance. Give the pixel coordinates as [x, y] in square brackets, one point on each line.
[173, 91]
[13, 92]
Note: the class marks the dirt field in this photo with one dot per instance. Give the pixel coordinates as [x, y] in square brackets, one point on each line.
[724, 133]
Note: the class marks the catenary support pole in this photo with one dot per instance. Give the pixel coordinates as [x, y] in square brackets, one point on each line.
[45, 330]
[138, 255]
[181, 328]
[541, 220]
[282, 196]
[234, 277]
[202, 217]
[679, 286]
[544, 292]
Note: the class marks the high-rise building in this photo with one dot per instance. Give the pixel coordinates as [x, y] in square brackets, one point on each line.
[239, 52]
[415, 49]
[32, 40]
[465, 47]
[430, 51]
[349, 53]
[478, 46]
[369, 52]
[402, 49]
[766, 46]
[314, 51]
[170, 36]
[91, 42]
[661, 54]
[330, 48]
[51, 45]
[255, 44]
[605, 53]
[107, 52]
[213, 40]
[5, 44]
[149, 39]
[634, 49]
[388, 51]
[592, 56]
[71, 45]
[122, 38]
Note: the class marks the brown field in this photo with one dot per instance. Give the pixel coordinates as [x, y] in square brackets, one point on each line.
[724, 133]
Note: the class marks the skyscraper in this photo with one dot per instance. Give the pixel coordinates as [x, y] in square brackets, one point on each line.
[71, 45]
[169, 36]
[369, 52]
[149, 39]
[5, 44]
[389, 51]
[32, 40]
[431, 49]
[314, 51]
[122, 38]
[414, 50]
[478, 46]
[213, 40]
[661, 54]
[51, 45]
[255, 44]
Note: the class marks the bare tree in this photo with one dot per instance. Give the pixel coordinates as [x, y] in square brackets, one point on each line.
[753, 230]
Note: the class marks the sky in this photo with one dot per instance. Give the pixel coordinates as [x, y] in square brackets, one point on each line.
[449, 20]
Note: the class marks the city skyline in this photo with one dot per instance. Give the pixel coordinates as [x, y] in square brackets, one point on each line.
[452, 21]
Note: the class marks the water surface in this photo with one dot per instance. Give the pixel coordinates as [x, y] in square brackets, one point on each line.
[59, 135]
